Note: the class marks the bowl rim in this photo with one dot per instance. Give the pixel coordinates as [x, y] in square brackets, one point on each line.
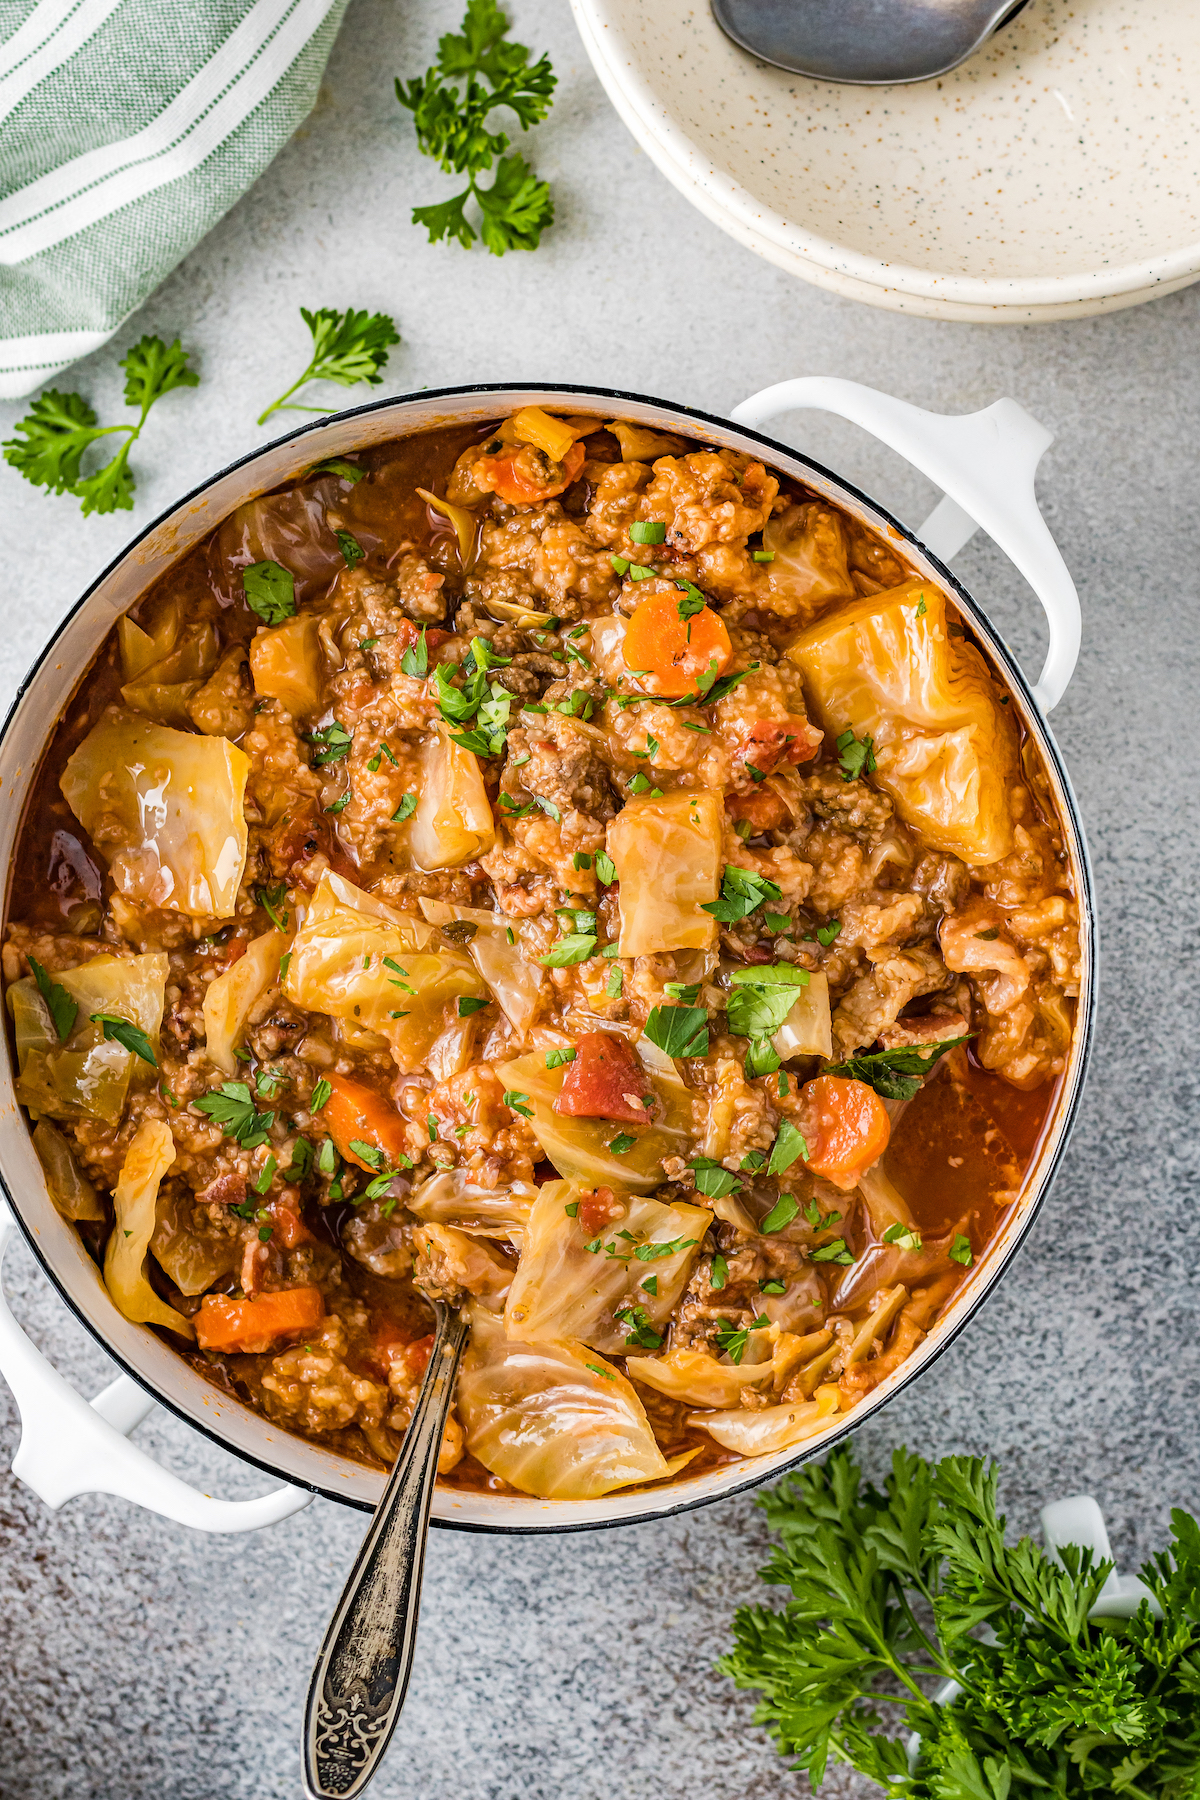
[1061, 1120]
[686, 162]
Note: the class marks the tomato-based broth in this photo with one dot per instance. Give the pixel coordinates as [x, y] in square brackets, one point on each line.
[565, 871]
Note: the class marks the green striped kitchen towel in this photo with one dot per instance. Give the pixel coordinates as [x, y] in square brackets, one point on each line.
[127, 128]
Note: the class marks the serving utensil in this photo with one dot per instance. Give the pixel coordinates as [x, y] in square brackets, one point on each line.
[361, 1676]
[872, 43]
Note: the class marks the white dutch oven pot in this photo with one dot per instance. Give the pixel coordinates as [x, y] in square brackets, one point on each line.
[985, 464]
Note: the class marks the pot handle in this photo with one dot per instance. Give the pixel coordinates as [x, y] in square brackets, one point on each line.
[985, 464]
[71, 1447]
[1078, 1520]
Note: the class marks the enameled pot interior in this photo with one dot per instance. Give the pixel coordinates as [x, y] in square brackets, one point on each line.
[41, 701]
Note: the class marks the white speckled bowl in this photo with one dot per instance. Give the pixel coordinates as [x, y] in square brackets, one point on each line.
[1054, 175]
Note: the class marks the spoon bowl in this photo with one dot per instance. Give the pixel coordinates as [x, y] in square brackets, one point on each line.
[869, 43]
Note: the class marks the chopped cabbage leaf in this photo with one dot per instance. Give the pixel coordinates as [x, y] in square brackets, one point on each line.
[572, 1282]
[164, 808]
[807, 543]
[697, 1378]
[579, 1148]
[290, 529]
[668, 858]
[453, 823]
[552, 1419]
[287, 664]
[195, 1261]
[808, 1028]
[771, 1428]
[229, 997]
[68, 1187]
[135, 1199]
[514, 976]
[144, 645]
[451, 1198]
[88, 1074]
[357, 963]
[889, 670]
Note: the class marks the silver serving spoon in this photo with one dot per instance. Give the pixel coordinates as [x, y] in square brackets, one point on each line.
[875, 43]
[359, 1682]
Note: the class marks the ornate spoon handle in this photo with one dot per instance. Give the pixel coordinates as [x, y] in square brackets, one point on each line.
[360, 1678]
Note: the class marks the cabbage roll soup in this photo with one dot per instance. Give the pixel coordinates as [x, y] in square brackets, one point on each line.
[563, 870]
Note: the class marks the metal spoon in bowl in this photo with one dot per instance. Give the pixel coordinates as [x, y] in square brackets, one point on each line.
[361, 1675]
[874, 43]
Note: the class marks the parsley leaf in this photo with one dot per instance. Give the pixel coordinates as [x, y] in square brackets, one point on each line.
[347, 348]
[788, 1146]
[352, 551]
[743, 891]
[896, 1074]
[556, 1058]
[60, 428]
[234, 1111]
[960, 1251]
[131, 1037]
[518, 1102]
[63, 1009]
[656, 1252]
[781, 1214]
[709, 1177]
[415, 661]
[575, 947]
[269, 898]
[856, 756]
[733, 1341]
[638, 1327]
[679, 1030]
[405, 810]
[451, 105]
[270, 591]
[761, 997]
[836, 1252]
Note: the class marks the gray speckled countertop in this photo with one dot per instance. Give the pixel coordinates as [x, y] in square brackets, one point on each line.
[141, 1660]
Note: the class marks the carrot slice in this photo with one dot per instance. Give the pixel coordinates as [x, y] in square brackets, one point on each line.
[248, 1327]
[849, 1128]
[357, 1114]
[671, 652]
[511, 478]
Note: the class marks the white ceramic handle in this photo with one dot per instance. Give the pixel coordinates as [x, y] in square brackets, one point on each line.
[69, 1447]
[985, 464]
[1078, 1520]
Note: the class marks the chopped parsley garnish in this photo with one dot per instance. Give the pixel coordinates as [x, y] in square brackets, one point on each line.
[856, 756]
[818, 1220]
[639, 1330]
[834, 1253]
[470, 1003]
[415, 661]
[405, 810]
[268, 1082]
[327, 1158]
[581, 860]
[63, 1010]
[518, 1102]
[753, 1161]
[781, 1214]
[760, 999]
[896, 1074]
[575, 947]
[270, 591]
[772, 1287]
[330, 744]
[733, 1341]
[827, 933]
[690, 605]
[338, 465]
[320, 1095]
[764, 556]
[656, 1252]
[960, 1251]
[269, 898]
[621, 1143]
[788, 1147]
[341, 803]
[679, 1030]
[688, 992]
[300, 1167]
[378, 757]
[264, 1178]
[902, 1235]
[352, 551]
[710, 687]
[615, 984]
[777, 922]
[556, 1058]
[234, 1111]
[648, 531]
[599, 1369]
[131, 1037]
[709, 1177]
[743, 891]
[606, 869]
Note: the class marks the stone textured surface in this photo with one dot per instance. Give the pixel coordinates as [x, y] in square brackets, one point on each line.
[140, 1660]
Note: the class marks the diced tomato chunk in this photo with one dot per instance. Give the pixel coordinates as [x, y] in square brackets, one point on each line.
[791, 740]
[249, 1327]
[605, 1081]
[847, 1127]
[389, 1342]
[235, 949]
[415, 1356]
[290, 1228]
[765, 809]
[598, 1207]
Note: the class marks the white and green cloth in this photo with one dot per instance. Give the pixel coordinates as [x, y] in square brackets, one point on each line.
[127, 129]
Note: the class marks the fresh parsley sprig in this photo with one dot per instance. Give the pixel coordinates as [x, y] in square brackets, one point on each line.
[59, 429]
[1049, 1700]
[476, 72]
[348, 347]
[896, 1074]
